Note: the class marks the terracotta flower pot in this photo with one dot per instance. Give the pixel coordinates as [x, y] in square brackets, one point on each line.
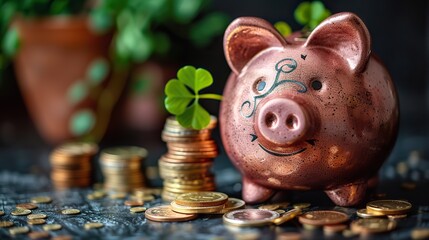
[54, 55]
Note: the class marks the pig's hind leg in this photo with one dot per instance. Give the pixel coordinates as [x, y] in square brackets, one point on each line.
[349, 195]
[254, 193]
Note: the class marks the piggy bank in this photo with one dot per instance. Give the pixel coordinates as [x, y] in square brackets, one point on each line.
[306, 113]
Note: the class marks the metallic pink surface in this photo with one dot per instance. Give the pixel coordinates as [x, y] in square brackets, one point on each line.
[300, 114]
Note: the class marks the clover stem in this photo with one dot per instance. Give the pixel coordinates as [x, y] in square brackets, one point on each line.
[210, 96]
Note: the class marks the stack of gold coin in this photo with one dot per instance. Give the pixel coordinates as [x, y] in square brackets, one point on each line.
[122, 168]
[186, 166]
[393, 209]
[71, 165]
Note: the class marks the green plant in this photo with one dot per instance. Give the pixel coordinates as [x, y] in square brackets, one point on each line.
[183, 97]
[308, 14]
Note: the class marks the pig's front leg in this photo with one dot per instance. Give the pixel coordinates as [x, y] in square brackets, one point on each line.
[349, 195]
[254, 193]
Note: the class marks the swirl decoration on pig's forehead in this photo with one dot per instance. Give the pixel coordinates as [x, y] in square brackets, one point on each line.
[285, 66]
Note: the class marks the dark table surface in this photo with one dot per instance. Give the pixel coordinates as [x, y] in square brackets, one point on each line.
[24, 174]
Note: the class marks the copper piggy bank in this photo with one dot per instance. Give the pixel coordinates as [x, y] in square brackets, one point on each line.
[306, 113]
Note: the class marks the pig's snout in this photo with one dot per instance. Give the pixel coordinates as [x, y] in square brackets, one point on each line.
[282, 121]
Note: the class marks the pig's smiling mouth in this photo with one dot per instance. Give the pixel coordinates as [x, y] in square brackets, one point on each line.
[278, 154]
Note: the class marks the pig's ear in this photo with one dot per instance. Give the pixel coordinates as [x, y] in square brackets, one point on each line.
[346, 35]
[247, 36]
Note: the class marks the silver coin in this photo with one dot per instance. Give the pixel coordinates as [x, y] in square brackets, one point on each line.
[250, 217]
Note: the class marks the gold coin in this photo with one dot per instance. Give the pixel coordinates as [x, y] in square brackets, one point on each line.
[271, 207]
[195, 209]
[137, 209]
[287, 216]
[52, 227]
[232, 204]
[202, 199]
[41, 199]
[39, 235]
[76, 149]
[1, 213]
[323, 217]
[123, 153]
[20, 212]
[5, 224]
[147, 191]
[19, 230]
[389, 207]
[36, 221]
[92, 225]
[70, 211]
[146, 198]
[280, 211]
[29, 206]
[372, 225]
[134, 203]
[420, 233]
[166, 214]
[301, 205]
[363, 213]
[36, 216]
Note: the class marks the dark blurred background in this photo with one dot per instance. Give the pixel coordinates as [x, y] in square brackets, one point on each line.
[400, 37]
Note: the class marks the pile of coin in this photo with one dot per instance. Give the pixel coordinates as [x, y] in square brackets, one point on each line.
[187, 205]
[186, 166]
[71, 165]
[122, 168]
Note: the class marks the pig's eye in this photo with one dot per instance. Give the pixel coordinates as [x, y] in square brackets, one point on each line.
[259, 85]
[316, 85]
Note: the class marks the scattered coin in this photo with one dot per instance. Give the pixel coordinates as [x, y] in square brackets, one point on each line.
[20, 212]
[232, 204]
[29, 206]
[349, 233]
[41, 199]
[250, 217]
[36, 215]
[363, 213]
[420, 233]
[372, 225]
[280, 211]
[52, 227]
[93, 225]
[195, 209]
[19, 230]
[131, 203]
[98, 194]
[271, 207]
[323, 217]
[287, 216]
[5, 224]
[36, 221]
[39, 235]
[137, 209]
[389, 207]
[70, 211]
[302, 205]
[202, 199]
[165, 214]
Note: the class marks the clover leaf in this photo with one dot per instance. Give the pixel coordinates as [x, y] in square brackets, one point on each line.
[183, 97]
[311, 14]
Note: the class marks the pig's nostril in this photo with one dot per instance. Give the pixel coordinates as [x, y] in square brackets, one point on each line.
[270, 120]
[292, 122]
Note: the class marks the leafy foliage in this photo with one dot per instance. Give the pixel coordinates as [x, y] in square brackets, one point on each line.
[311, 14]
[183, 97]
